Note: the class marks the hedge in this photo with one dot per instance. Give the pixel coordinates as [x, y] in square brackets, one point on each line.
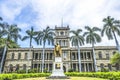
[105, 75]
[20, 76]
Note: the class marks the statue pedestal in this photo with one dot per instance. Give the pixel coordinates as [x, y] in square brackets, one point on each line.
[58, 72]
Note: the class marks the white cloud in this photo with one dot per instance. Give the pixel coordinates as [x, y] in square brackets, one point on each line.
[76, 13]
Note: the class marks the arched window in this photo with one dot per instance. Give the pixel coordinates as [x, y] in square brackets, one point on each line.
[100, 55]
[19, 56]
[12, 56]
[10, 68]
[24, 66]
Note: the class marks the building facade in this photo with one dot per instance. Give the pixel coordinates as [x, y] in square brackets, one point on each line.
[30, 58]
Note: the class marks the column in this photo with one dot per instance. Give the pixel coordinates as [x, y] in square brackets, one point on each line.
[85, 67]
[92, 67]
[37, 66]
[88, 66]
[48, 67]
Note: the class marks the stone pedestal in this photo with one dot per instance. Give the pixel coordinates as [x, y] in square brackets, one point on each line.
[58, 72]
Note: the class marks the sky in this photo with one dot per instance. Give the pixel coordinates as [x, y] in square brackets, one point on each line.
[75, 13]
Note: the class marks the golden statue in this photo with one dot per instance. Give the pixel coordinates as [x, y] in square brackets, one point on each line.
[57, 50]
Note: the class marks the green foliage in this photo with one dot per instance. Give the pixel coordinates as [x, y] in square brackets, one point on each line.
[20, 76]
[104, 70]
[21, 71]
[105, 75]
[33, 70]
[115, 59]
[10, 43]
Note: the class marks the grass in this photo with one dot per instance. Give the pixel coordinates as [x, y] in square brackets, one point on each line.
[71, 78]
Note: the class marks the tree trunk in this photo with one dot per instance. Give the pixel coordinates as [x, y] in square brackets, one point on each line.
[79, 58]
[117, 44]
[30, 42]
[3, 57]
[94, 58]
[43, 57]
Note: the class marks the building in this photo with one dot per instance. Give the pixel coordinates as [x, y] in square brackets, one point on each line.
[26, 58]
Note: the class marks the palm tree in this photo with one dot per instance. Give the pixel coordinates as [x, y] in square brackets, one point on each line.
[1, 28]
[45, 36]
[111, 28]
[92, 37]
[30, 35]
[12, 33]
[77, 40]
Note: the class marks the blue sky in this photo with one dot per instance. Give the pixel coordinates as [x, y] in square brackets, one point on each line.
[75, 13]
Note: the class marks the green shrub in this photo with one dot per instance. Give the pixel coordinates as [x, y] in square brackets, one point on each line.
[105, 75]
[21, 71]
[104, 70]
[33, 70]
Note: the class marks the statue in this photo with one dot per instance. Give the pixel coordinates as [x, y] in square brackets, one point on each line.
[57, 50]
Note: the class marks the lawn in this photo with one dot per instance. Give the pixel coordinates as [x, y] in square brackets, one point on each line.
[72, 78]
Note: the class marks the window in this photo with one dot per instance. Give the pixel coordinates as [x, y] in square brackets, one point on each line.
[24, 66]
[81, 55]
[19, 56]
[109, 66]
[40, 57]
[26, 54]
[73, 56]
[117, 66]
[88, 55]
[61, 33]
[12, 57]
[64, 55]
[17, 67]
[101, 65]
[100, 55]
[58, 33]
[64, 42]
[10, 68]
[50, 56]
[114, 52]
[59, 42]
[107, 56]
[36, 55]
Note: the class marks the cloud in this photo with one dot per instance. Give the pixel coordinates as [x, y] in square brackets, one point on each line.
[76, 13]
